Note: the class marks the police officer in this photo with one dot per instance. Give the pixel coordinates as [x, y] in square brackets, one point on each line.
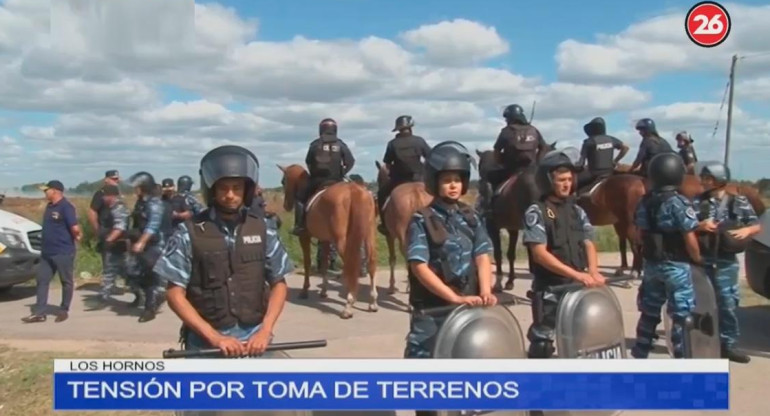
[597, 152]
[738, 220]
[684, 142]
[652, 144]
[328, 159]
[151, 228]
[98, 214]
[559, 237]
[221, 264]
[175, 202]
[666, 222]
[403, 156]
[184, 188]
[114, 243]
[447, 264]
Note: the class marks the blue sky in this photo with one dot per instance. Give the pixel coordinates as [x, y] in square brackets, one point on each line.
[532, 31]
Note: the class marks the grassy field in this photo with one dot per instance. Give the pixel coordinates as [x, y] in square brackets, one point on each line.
[89, 261]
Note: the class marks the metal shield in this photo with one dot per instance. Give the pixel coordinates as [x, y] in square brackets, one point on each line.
[267, 354]
[702, 340]
[589, 324]
[480, 332]
[758, 259]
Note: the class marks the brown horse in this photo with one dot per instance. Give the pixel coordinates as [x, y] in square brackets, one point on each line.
[403, 202]
[343, 214]
[691, 187]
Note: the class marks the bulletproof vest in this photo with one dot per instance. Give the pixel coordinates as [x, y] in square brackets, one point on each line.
[721, 244]
[659, 245]
[419, 296]
[327, 158]
[688, 155]
[104, 211]
[178, 204]
[656, 147]
[565, 241]
[600, 153]
[408, 152]
[167, 222]
[227, 286]
[139, 215]
[522, 144]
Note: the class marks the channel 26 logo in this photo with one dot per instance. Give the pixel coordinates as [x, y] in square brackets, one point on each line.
[707, 24]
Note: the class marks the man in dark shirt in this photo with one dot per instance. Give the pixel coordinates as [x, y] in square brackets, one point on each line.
[60, 232]
[99, 212]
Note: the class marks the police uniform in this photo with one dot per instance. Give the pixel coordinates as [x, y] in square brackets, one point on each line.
[662, 218]
[688, 155]
[599, 151]
[191, 202]
[115, 253]
[652, 145]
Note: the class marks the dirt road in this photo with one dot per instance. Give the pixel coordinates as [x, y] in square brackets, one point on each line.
[367, 334]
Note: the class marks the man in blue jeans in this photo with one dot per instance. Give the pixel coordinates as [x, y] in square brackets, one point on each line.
[60, 232]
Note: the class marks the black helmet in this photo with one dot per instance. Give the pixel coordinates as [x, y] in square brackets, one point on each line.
[514, 112]
[144, 181]
[167, 183]
[595, 127]
[229, 162]
[666, 171]
[184, 183]
[555, 159]
[717, 170]
[683, 135]
[445, 157]
[646, 124]
[327, 126]
[404, 122]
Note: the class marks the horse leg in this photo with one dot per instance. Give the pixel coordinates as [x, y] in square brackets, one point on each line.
[324, 267]
[494, 235]
[513, 239]
[392, 263]
[620, 230]
[304, 241]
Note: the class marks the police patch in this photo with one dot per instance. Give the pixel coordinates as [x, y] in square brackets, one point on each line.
[531, 219]
[690, 213]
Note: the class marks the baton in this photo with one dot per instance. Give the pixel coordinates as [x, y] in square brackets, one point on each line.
[216, 352]
[570, 286]
[438, 310]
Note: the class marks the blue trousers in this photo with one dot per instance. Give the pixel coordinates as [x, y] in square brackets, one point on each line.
[724, 276]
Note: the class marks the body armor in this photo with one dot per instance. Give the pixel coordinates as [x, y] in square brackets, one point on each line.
[600, 154]
[327, 158]
[661, 245]
[407, 165]
[522, 146]
[565, 241]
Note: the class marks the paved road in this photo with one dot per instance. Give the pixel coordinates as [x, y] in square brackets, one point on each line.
[367, 334]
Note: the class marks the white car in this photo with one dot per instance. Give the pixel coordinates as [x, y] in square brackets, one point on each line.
[20, 243]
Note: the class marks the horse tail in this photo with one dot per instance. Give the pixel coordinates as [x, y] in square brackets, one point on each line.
[360, 232]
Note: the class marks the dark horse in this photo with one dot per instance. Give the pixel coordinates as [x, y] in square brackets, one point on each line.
[507, 210]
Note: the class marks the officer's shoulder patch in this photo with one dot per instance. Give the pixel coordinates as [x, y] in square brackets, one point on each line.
[690, 213]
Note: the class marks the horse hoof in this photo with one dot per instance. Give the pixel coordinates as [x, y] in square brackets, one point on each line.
[620, 272]
[509, 285]
[346, 315]
[373, 308]
[497, 289]
[303, 294]
[323, 295]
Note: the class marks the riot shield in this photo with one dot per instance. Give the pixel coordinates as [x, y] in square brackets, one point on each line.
[758, 259]
[589, 324]
[481, 332]
[701, 334]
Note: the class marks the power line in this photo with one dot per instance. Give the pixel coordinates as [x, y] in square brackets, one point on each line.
[755, 55]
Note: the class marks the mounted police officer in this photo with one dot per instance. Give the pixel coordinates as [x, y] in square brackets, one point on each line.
[184, 188]
[726, 223]
[403, 156]
[113, 243]
[684, 142]
[226, 266]
[328, 159]
[448, 248]
[559, 237]
[667, 222]
[151, 229]
[652, 145]
[597, 152]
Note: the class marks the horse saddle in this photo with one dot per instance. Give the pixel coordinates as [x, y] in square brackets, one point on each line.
[505, 185]
[588, 190]
[314, 197]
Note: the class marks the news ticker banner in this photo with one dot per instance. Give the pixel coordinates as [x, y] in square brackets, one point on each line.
[390, 384]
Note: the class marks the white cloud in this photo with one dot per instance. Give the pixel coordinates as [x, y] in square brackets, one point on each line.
[757, 89]
[457, 42]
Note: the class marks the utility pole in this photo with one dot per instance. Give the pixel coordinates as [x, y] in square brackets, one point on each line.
[730, 110]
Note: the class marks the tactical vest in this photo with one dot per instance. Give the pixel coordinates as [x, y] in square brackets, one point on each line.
[688, 155]
[104, 210]
[408, 152]
[227, 286]
[327, 159]
[721, 244]
[659, 245]
[177, 204]
[654, 148]
[600, 154]
[565, 241]
[139, 215]
[522, 144]
[419, 296]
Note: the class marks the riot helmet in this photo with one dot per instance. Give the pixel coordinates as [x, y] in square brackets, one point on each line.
[403, 122]
[327, 126]
[646, 125]
[595, 127]
[184, 183]
[144, 181]
[448, 156]
[167, 183]
[683, 138]
[716, 170]
[553, 160]
[229, 161]
[666, 171]
[514, 112]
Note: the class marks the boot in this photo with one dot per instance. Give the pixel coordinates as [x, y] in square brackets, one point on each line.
[299, 218]
[733, 355]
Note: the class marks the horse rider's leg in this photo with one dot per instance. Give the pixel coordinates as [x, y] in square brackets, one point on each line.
[299, 210]
[514, 238]
[304, 241]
